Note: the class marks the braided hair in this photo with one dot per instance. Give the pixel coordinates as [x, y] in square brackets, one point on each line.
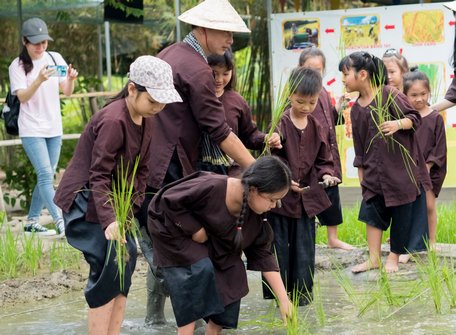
[268, 175]
[361, 60]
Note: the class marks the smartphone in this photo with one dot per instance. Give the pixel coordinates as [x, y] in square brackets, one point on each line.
[60, 70]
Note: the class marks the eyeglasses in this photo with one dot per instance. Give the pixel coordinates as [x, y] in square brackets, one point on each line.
[392, 52]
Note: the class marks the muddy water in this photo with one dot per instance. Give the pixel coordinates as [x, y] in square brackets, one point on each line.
[67, 314]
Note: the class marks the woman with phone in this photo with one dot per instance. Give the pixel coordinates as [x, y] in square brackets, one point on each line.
[36, 77]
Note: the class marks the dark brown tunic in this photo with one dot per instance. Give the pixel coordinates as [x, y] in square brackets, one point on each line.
[450, 94]
[327, 116]
[182, 208]
[432, 140]
[110, 135]
[385, 172]
[308, 156]
[239, 118]
[180, 125]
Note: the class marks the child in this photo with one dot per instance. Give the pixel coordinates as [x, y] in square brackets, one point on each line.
[327, 116]
[308, 155]
[391, 194]
[120, 132]
[396, 66]
[238, 116]
[432, 140]
[199, 226]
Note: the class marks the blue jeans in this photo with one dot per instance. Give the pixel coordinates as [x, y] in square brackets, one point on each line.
[44, 155]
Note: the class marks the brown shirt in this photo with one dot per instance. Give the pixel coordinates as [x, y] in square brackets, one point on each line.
[198, 200]
[308, 156]
[432, 140]
[385, 172]
[239, 118]
[110, 135]
[327, 116]
[180, 125]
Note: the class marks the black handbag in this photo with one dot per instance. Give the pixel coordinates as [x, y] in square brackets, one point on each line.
[10, 113]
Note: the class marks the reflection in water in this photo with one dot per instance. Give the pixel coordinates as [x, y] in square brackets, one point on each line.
[67, 314]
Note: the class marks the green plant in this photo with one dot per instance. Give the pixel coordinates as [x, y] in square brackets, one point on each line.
[121, 199]
[19, 176]
[32, 252]
[63, 256]
[9, 254]
[431, 273]
[318, 303]
[382, 111]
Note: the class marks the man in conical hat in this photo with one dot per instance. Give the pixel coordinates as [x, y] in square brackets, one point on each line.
[178, 129]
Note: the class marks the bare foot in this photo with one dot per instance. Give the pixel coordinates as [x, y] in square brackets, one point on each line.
[365, 266]
[404, 258]
[338, 244]
[391, 265]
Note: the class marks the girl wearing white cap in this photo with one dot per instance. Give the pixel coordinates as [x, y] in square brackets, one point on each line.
[115, 136]
[40, 121]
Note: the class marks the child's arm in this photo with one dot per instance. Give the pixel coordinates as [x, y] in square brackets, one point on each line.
[360, 174]
[275, 282]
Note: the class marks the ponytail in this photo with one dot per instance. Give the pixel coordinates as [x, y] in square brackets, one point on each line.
[25, 59]
[124, 93]
[240, 221]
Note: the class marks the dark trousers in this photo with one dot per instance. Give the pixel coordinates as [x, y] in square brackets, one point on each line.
[294, 246]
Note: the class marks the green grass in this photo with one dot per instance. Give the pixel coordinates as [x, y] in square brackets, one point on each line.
[22, 255]
[354, 232]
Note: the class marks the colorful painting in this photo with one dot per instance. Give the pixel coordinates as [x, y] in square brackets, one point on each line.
[301, 34]
[423, 27]
[360, 31]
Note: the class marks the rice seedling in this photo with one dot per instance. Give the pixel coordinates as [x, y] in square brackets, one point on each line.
[385, 286]
[32, 253]
[121, 199]
[345, 283]
[9, 260]
[449, 278]
[382, 111]
[430, 271]
[285, 91]
[62, 256]
[318, 303]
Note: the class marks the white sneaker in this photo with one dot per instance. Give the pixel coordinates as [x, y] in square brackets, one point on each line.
[36, 228]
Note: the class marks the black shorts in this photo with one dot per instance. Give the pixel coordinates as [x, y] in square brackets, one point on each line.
[193, 291]
[229, 318]
[409, 225]
[103, 283]
[332, 216]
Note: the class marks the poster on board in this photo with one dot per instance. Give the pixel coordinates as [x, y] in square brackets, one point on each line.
[422, 33]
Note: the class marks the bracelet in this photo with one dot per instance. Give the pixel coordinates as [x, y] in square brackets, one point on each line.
[399, 123]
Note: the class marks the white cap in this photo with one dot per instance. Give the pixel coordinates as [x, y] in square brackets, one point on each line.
[156, 76]
[215, 14]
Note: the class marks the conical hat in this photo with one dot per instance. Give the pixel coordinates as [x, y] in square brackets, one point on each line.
[451, 5]
[215, 14]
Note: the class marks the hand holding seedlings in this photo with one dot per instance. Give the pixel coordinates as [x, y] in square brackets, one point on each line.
[329, 181]
[299, 187]
[274, 141]
[390, 127]
[112, 233]
[200, 236]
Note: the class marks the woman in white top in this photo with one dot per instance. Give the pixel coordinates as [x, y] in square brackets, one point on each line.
[36, 84]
